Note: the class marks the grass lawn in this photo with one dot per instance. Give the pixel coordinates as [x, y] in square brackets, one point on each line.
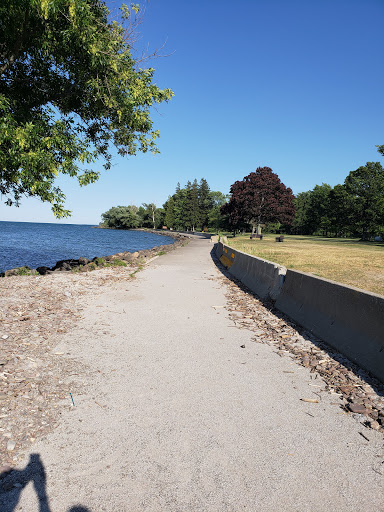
[345, 260]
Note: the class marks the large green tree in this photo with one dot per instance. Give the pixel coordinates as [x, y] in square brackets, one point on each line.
[216, 220]
[121, 217]
[205, 203]
[151, 215]
[319, 208]
[69, 89]
[366, 186]
[301, 222]
[340, 211]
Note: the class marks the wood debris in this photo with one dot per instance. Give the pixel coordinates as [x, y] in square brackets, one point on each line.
[355, 386]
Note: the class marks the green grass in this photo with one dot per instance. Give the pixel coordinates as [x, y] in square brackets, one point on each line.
[27, 272]
[345, 260]
[119, 263]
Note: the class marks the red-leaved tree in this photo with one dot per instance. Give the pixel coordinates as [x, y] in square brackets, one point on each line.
[259, 198]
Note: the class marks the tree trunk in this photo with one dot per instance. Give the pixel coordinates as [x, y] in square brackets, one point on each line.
[365, 234]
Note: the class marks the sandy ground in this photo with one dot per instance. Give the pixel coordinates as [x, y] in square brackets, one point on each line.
[178, 410]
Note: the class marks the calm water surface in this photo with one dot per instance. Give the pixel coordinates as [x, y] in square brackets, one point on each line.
[37, 244]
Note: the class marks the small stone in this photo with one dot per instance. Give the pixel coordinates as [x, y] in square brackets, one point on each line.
[374, 424]
[242, 346]
[5, 337]
[345, 390]
[358, 408]
[11, 445]
[305, 361]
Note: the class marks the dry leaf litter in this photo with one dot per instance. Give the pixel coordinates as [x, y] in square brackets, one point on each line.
[356, 391]
[36, 382]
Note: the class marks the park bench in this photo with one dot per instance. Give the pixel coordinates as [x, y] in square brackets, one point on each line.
[256, 236]
[279, 238]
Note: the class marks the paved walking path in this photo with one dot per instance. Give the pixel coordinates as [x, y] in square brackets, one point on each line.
[176, 416]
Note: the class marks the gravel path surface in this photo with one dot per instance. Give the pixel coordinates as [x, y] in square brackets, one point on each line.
[178, 409]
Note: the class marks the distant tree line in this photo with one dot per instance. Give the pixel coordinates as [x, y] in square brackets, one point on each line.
[262, 201]
[128, 217]
[355, 208]
[194, 207]
[191, 208]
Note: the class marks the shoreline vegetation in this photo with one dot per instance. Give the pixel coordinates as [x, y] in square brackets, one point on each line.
[122, 259]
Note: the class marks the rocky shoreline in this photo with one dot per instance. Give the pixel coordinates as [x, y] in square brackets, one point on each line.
[122, 259]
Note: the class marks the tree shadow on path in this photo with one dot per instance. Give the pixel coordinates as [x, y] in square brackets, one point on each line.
[13, 483]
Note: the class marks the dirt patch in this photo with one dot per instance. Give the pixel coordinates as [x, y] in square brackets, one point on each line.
[35, 380]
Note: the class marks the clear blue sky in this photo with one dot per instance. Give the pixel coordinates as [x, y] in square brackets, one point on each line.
[294, 85]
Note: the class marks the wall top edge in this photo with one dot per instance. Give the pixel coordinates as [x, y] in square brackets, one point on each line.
[276, 265]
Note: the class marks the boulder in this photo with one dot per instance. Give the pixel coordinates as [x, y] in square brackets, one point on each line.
[84, 261]
[43, 270]
[66, 265]
[16, 271]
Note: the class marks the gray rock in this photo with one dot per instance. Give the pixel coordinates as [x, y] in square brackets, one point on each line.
[15, 271]
[358, 408]
[84, 261]
[11, 445]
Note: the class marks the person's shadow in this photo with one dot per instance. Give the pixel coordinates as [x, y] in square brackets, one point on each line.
[15, 481]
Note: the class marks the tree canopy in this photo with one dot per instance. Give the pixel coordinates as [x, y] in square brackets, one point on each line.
[69, 89]
[258, 199]
[366, 186]
[121, 217]
[354, 208]
[189, 208]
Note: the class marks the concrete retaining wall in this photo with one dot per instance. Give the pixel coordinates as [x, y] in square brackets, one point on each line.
[349, 319]
[261, 276]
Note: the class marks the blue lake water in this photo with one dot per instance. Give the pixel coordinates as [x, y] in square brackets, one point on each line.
[37, 244]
